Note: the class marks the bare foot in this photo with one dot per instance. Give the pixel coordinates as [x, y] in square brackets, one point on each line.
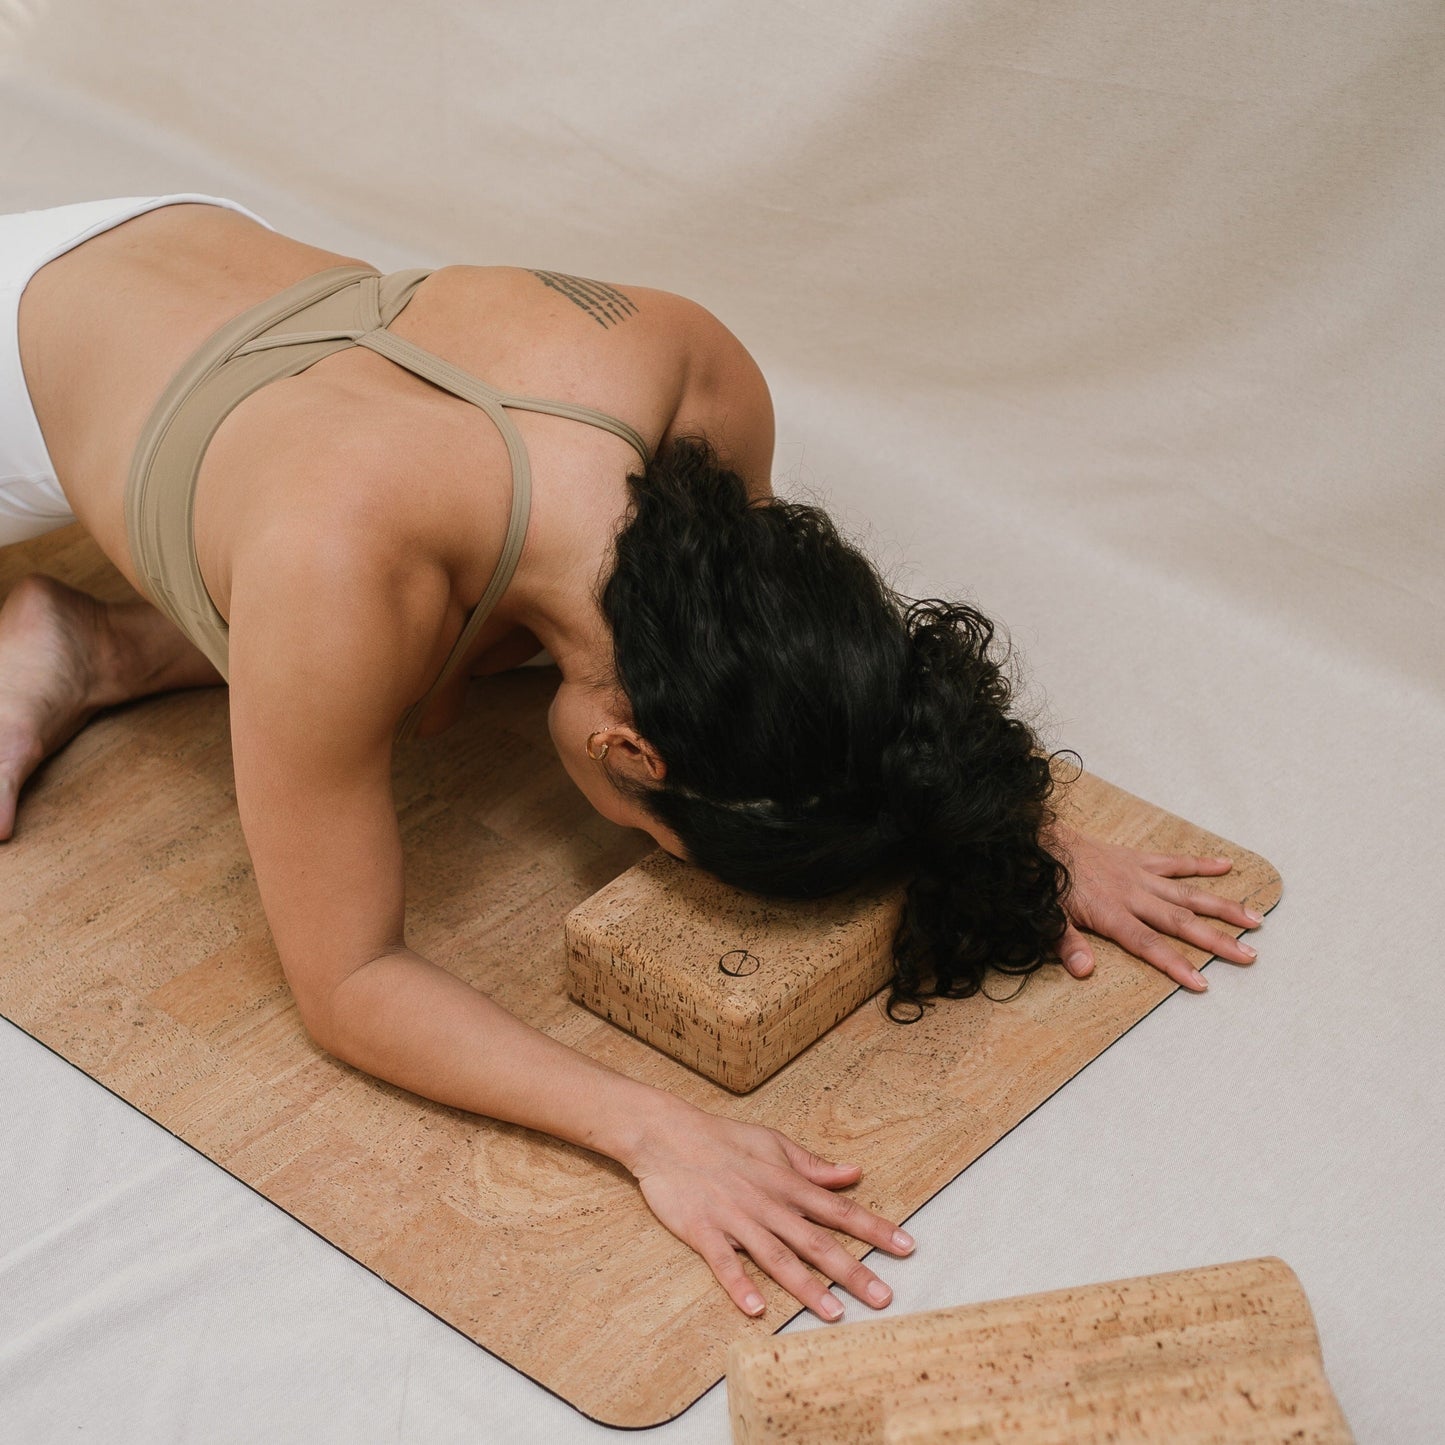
[56, 655]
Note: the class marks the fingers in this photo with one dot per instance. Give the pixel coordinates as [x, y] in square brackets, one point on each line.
[1130, 897]
[1075, 952]
[820, 1247]
[815, 1167]
[1181, 922]
[842, 1211]
[777, 1260]
[779, 1245]
[1153, 948]
[1184, 865]
[720, 1256]
[1211, 905]
[786, 1231]
[722, 1186]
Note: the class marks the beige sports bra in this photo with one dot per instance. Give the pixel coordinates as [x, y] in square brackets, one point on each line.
[281, 336]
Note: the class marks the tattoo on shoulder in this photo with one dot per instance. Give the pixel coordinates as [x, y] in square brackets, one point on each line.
[605, 304]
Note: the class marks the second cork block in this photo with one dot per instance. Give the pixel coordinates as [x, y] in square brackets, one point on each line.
[729, 983]
[1226, 1354]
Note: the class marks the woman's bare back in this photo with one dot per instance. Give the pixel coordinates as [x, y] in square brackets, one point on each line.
[103, 327]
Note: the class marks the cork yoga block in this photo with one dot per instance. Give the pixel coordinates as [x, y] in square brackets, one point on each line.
[728, 983]
[1226, 1354]
[1268, 1397]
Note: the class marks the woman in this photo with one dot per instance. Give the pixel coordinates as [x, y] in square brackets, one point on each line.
[306, 467]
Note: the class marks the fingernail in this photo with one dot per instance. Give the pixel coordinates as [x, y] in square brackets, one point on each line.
[753, 1303]
[1245, 949]
[1078, 960]
[1253, 917]
[845, 1166]
[830, 1308]
[878, 1292]
[1199, 979]
[901, 1240]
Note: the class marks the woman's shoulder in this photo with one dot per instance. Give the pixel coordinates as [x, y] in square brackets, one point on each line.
[727, 400]
[574, 310]
[662, 360]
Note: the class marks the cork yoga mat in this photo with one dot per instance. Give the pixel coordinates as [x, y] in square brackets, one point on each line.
[133, 944]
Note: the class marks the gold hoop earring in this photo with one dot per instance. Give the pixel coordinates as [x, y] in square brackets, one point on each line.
[596, 757]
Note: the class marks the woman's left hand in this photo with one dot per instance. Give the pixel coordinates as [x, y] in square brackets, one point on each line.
[1133, 898]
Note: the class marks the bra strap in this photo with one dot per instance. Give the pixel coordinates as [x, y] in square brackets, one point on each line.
[581, 413]
[443, 374]
[380, 299]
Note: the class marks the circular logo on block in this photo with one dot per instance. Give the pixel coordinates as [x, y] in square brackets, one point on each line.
[739, 963]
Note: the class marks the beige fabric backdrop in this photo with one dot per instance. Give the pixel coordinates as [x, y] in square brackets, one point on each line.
[1124, 320]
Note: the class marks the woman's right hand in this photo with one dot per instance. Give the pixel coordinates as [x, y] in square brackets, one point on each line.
[721, 1185]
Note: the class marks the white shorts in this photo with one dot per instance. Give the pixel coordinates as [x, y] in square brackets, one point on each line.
[31, 499]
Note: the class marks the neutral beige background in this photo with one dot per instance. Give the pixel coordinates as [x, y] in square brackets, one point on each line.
[1123, 320]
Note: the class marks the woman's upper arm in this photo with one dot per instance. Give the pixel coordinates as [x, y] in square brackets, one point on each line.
[730, 403]
[323, 659]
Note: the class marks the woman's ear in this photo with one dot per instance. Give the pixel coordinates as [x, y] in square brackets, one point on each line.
[656, 767]
[648, 758]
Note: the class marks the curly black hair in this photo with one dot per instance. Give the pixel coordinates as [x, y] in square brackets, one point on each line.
[819, 728]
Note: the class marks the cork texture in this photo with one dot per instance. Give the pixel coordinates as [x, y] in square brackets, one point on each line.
[133, 944]
[728, 983]
[1264, 1398]
[1227, 1354]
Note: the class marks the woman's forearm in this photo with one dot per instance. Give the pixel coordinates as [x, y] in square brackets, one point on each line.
[708, 1178]
[407, 1021]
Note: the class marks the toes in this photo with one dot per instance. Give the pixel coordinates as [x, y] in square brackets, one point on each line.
[16, 765]
[9, 791]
